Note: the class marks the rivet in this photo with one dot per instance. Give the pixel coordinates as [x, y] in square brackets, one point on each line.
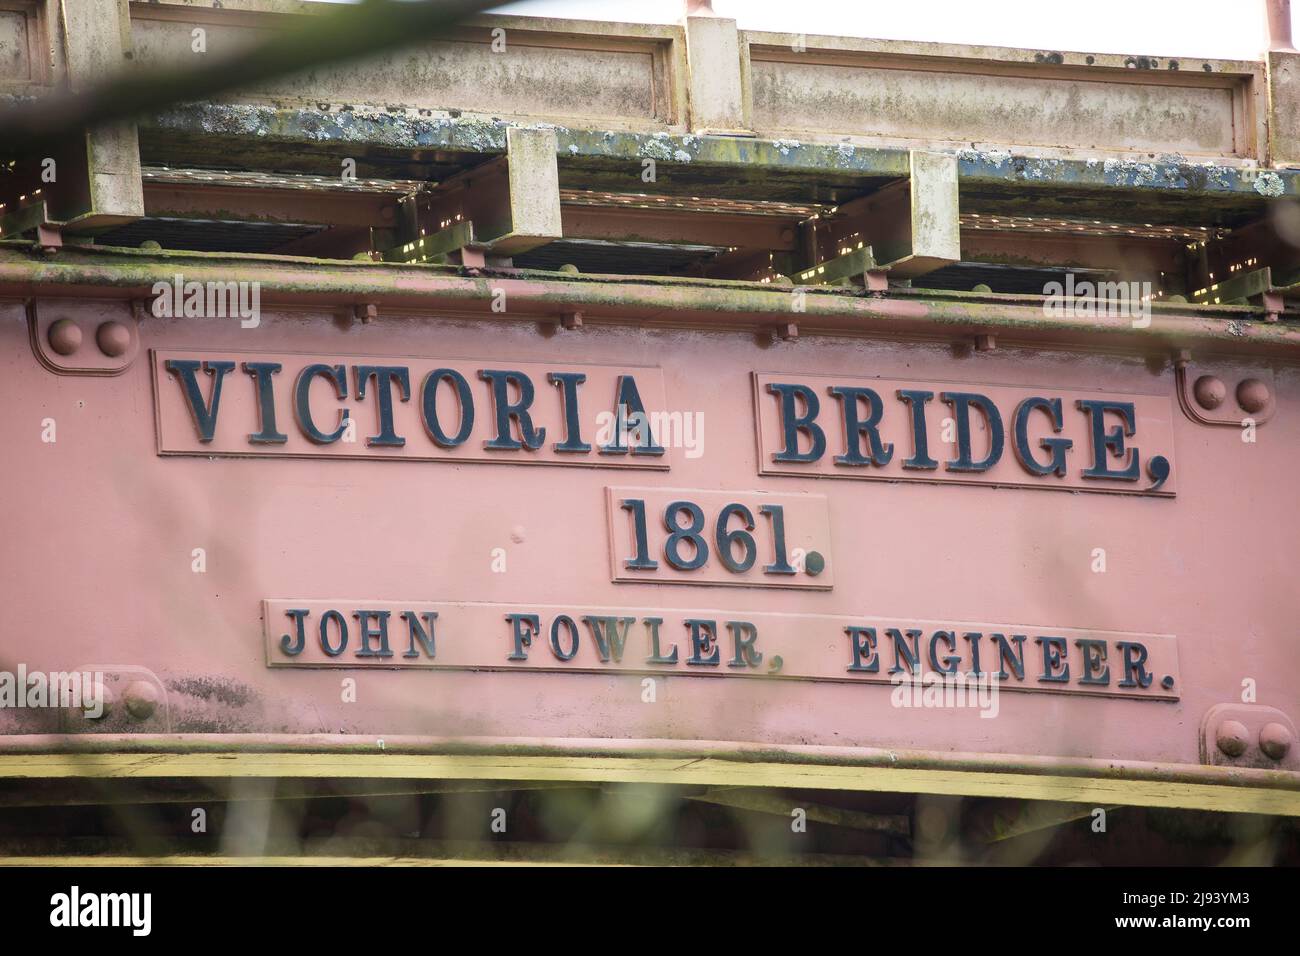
[1252, 395]
[114, 338]
[141, 699]
[1209, 391]
[65, 336]
[1275, 740]
[1232, 738]
[100, 694]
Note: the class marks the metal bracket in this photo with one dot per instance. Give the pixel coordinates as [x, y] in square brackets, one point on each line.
[134, 699]
[1216, 397]
[32, 215]
[1235, 291]
[855, 264]
[455, 238]
[83, 336]
[1249, 735]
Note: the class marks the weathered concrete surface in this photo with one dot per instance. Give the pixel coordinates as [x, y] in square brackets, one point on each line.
[713, 54]
[97, 45]
[936, 226]
[19, 41]
[897, 106]
[881, 93]
[534, 190]
[1284, 108]
[1170, 187]
[517, 69]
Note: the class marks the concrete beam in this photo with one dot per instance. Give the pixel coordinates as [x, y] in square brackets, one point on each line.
[717, 99]
[1283, 107]
[1167, 189]
[935, 217]
[512, 203]
[534, 191]
[96, 44]
[909, 227]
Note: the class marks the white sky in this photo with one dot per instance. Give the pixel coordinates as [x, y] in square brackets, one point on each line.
[1228, 29]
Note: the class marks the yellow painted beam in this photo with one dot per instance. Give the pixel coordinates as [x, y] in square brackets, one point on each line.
[1096, 789]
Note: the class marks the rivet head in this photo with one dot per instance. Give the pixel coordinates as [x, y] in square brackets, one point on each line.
[114, 339]
[1275, 740]
[65, 336]
[141, 698]
[97, 702]
[1232, 738]
[1252, 395]
[1209, 391]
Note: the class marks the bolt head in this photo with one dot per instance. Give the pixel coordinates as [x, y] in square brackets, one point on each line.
[113, 338]
[1275, 740]
[1252, 395]
[65, 336]
[1209, 391]
[141, 699]
[1232, 738]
